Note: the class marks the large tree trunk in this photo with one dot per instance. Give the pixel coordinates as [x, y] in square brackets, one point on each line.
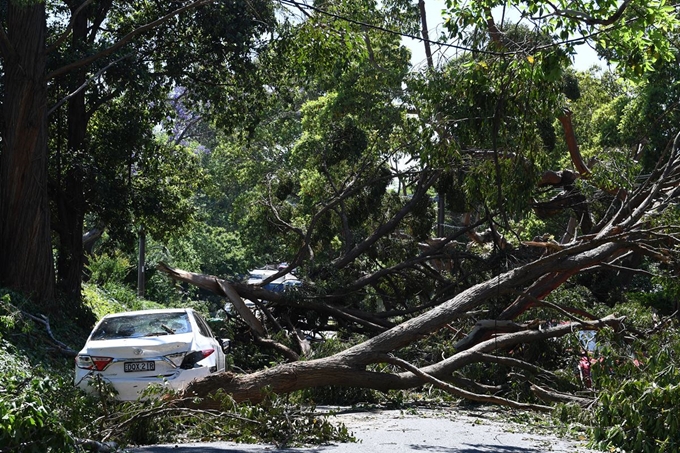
[70, 198]
[70, 251]
[348, 368]
[26, 263]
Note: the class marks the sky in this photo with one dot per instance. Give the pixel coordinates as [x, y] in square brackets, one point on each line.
[585, 58]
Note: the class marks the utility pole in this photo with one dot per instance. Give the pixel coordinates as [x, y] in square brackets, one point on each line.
[141, 263]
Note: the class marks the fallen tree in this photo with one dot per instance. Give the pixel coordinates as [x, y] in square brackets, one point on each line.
[629, 228]
[350, 367]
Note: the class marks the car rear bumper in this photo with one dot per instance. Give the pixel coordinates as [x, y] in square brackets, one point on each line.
[130, 387]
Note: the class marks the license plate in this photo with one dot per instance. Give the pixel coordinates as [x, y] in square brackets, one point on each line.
[139, 366]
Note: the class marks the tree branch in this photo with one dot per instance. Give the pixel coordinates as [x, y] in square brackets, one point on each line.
[425, 183]
[472, 355]
[211, 283]
[44, 320]
[464, 393]
[124, 40]
[69, 28]
[590, 20]
[559, 397]
[572, 145]
[428, 254]
[85, 84]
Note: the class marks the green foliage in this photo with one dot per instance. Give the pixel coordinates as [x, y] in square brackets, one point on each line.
[613, 121]
[205, 249]
[634, 378]
[639, 40]
[109, 289]
[615, 170]
[11, 317]
[160, 419]
[41, 410]
[114, 298]
[105, 268]
[290, 425]
[658, 295]
[639, 395]
[99, 302]
[247, 356]
[597, 111]
[518, 182]
[643, 42]
[29, 422]
[166, 209]
[639, 417]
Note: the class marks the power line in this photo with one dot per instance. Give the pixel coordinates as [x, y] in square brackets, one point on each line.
[383, 29]
[572, 41]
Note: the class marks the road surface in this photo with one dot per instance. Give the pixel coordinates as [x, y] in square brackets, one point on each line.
[446, 430]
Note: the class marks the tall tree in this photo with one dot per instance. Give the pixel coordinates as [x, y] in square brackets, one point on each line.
[26, 263]
[97, 52]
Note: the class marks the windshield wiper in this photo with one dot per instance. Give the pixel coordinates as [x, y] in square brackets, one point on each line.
[168, 329]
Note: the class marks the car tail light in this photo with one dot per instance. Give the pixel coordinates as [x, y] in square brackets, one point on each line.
[84, 362]
[176, 358]
[87, 362]
[192, 358]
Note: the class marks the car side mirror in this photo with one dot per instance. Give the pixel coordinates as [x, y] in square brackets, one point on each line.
[226, 344]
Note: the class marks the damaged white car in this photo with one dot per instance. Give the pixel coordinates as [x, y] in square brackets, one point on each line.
[131, 350]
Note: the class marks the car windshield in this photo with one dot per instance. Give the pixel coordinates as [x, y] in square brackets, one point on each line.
[142, 325]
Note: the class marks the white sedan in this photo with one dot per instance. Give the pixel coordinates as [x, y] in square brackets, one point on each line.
[132, 350]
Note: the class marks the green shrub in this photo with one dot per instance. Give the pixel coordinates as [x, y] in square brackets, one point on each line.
[105, 268]
[639, 393]
[114, 298]
[31, 418]
[640, 416]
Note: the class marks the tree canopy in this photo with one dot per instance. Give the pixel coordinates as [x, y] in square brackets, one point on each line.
[94, 83]
[438, 219]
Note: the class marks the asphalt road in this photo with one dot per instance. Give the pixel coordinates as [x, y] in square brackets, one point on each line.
[447, 430]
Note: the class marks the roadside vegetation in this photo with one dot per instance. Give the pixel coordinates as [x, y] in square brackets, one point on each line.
[635, 381]
[41, 410]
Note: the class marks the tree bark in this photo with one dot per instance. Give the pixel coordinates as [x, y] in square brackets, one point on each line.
[70, 192]
[26, 263]
[212, 283]
[347, 368]
[552, 396]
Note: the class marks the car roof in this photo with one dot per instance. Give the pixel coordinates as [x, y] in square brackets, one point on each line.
[151, 311]
[263, 271]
